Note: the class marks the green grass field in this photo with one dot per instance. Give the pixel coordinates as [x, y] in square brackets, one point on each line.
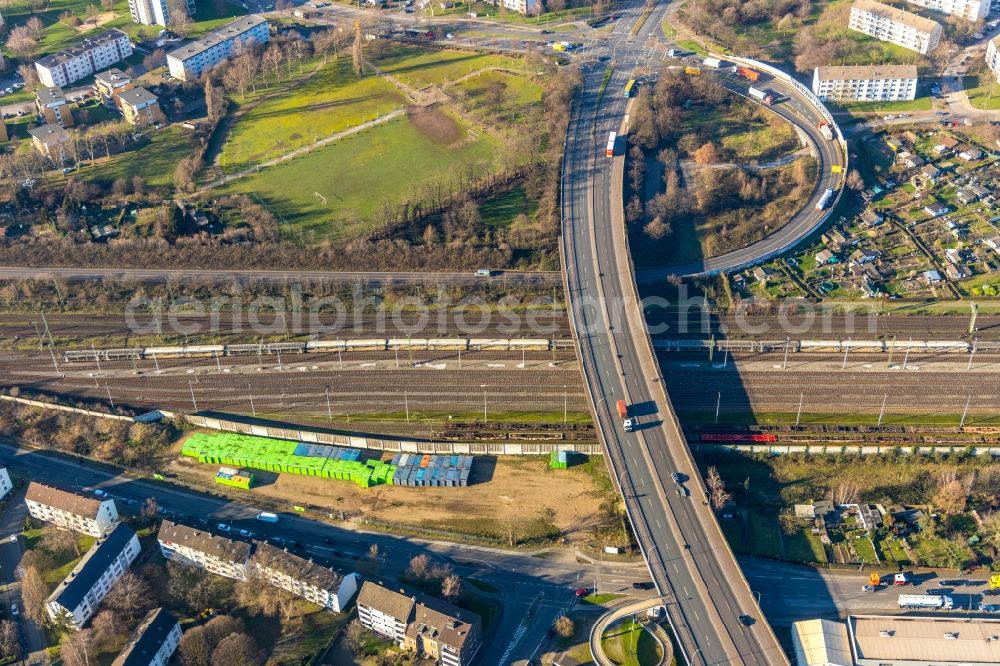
[501, 210]
[359, 174]
[519, 94]
[155, 162]
[418, 67]
[918, 104]
[330, 101]
[983, 91]
[629, 644]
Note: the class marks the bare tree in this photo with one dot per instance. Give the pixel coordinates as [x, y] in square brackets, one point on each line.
[565, 627]
[272, 59]
[855, 181]
[29, 75]
[92, 13]
[59, 542]
[34, 593]
[717, 489]
[419, 565]
[357, 53]
[451, 587]
[150, 507]
[215, 101]
[237, 649]
[35, 26]
[180, 21]
[130, 595]
[78, 649]
[157, 58]
[10, 647]
[21, 42]
[106, 625]
[108, 5]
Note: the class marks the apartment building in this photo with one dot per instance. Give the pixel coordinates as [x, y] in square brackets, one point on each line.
[304, 578]
[431, 628]
[198, 548]
[191, 60]
[53, 505]
[155, 12]
[5, 483]
[110, 83]
[972, 10]
[895, 26]
[89, 56]
[154, 641]
[525, 7]
[51, 104]
[76, 598]
[993, 57]
[140, 107]
[863, 83]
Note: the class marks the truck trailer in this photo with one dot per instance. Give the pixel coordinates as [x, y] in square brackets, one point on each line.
[824, 200]
[936, 601]
[762, 96]
[747, 73]
[714, 63]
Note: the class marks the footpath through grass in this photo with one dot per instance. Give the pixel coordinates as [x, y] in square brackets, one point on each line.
[358, 175]
[329, 101]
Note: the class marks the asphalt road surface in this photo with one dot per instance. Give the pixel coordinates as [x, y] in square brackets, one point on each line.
[708, 602]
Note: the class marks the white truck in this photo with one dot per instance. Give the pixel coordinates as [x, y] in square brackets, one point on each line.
[267, 517]
[714, 63]
[825, 130]
[936, 601]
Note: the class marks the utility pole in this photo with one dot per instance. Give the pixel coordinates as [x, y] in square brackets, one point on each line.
[965, 411]
[406, 405]
[565, 403]
[788, 341]
[110, 399]
[972, 319]
[972, 353]
[483, 386]
[193, 401]
[156, 363]
[329, 411]
[847, 348]
[892, 348]
[718, 403]
[253, 410]
[53, 355]
[798, 416]
[881, 412]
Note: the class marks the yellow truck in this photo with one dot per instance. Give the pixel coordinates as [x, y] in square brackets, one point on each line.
[995, 582]
[692, 71]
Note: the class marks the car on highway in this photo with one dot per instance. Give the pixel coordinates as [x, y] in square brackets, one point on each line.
[676, 476]
[747, 621]
[222, 527]
[581, 592]
[13, 538]
[682, 491]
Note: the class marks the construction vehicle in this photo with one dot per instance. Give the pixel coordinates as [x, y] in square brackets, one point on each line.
[692, 71]
[938, 601]
[747, 73]
[995, 582]
[825, 130]
[874, 579]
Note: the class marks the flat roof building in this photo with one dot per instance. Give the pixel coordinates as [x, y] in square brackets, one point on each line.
[63, 508]
[821, 643]
[191, 60]
[895, 26]
[76, 598]
[81, 60]
[156, 12]
[153, 643]
[5, 483]
[863, 83]
[905, 640]
[971, 10]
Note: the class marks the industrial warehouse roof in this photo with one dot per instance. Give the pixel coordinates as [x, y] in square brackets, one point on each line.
[148, 639]
[81, 580]
[81, 505]
[924, 640]
[303, 570]
[821, 643]
[898, 15]
[226, 550]
[866, 72]
[226, 32]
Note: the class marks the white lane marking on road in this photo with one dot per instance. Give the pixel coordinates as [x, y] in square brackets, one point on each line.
[514, 641]
[676, 570]
[658, 523]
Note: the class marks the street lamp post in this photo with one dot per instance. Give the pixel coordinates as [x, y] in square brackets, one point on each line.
[483, 386]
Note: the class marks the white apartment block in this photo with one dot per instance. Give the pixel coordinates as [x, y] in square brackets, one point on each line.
[76, 598]
[153, 643]
[197, 548]
[155, 12]
[89, 56]
[895, 26]
[993, 57]
[5, 483]
[864, 83]
[69, 510]
[204, 53]
[525, 7]
[304, 578]
[972, 10]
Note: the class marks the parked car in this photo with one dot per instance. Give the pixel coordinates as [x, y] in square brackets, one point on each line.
[13, 610]
[222, 527]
